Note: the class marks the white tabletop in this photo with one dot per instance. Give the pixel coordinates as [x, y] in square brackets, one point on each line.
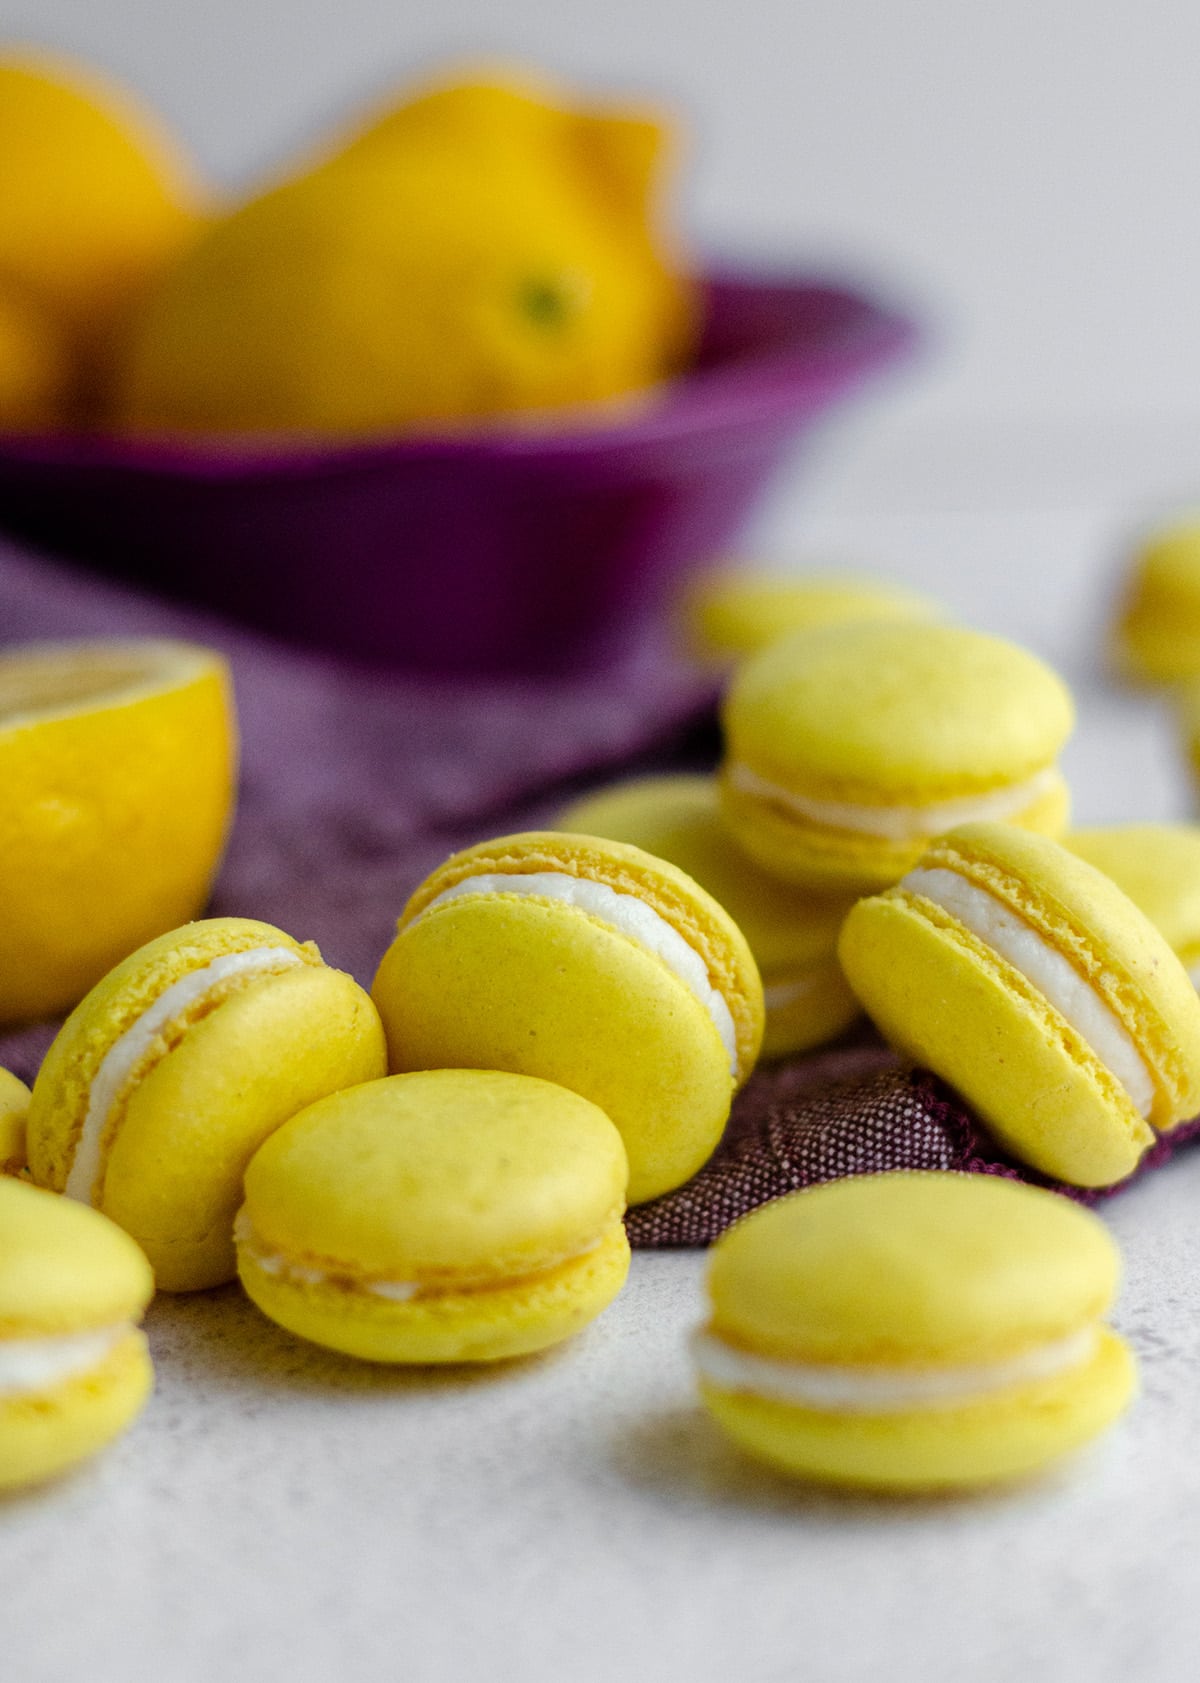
[282, 1514]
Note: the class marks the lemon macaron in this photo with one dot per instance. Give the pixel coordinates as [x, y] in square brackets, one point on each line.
[792, 933]
[586, 962]
[914, 1331]
[734, 612]
[1156, 637]
[74, 1368]
[14, 1110]
[1025, 978]
[1158, 867]
[447, 1216]
[166, 1079]
[849, 747]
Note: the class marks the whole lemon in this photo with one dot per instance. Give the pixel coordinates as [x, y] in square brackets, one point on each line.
[94, 199]
[434, 270]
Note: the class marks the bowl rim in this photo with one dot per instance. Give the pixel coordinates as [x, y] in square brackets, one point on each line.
[769, 383]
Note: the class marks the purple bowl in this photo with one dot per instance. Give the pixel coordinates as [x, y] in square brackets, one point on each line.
[504, 551]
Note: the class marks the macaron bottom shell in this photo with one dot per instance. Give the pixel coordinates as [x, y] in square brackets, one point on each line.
[46, 1432]
[834, 860]
[1000, 1437]
[485, 1324]
[944, 999]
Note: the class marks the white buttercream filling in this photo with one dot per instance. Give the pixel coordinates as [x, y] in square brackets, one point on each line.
[1053, 975]
[897, 823]
[625, 914]
[283, 1267]
[35, 1364]
[880, 1390]
[126, 1053]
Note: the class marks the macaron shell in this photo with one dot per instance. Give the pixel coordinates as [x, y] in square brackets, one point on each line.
[535, 987]
[844, 861]
[1157, 635]
[1158, 867]
[60, 1092]
[730, 615]
[14, 1109]
[192, 1124]
[477, 1326]
[824, 1007]
[1112, 945]
[46, 1432]
[64, 1267]
[671, 893]
[1005, 1436]
[904, 714]
[911, 1269]
[947, 1001]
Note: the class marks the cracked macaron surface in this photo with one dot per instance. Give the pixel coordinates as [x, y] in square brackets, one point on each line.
[849, 747]
[169, 1075]
[589, 963]
[1029, 982]
[914, 1331]
[443, 1216]
[74, 1367]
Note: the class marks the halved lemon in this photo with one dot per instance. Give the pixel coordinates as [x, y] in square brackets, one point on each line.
[117, 764]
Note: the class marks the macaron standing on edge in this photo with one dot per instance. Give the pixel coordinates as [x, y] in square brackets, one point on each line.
[1026, 979]
[74, 1368]
[169, 1075]
[851, 746]
[591, 964]
[792, 933]
[914, 1331]
[452, 1215]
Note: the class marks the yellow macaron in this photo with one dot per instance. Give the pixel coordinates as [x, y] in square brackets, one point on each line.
[849, 747]
[1025, 978]
[792, 933]
[1158, 866]
[914, 1331]
[1157, 633]
[74, 1368]
[14, 1110]
[169, 1075]
[589, 963]
[449, 1216]
[730, 614]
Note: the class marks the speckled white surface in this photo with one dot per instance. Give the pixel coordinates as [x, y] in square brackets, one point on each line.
[283, 1515]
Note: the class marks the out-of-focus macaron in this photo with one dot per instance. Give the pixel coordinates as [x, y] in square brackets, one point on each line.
[588, 963]
[914, 1331]
[14, 1109]
[74, 1368]
[1158, 866]
[1157, 633]
[850, 747]
[169, 1075]
[1028, 981]
[730, 614]
[450, 1216]
[792, 934]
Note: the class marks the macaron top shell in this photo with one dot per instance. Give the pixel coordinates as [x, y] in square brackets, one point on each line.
[678, 818]
[1158, 867]
[911, 1269]
[704, 925]
[1114, 947]
[870, 713]
[64, 1082]
[451, 1177]
[64, 1267]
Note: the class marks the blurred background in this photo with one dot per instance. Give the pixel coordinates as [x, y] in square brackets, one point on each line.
[1020, 175]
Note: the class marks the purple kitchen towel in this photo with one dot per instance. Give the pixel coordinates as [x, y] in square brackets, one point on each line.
[848, 1111]
[357, 781]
